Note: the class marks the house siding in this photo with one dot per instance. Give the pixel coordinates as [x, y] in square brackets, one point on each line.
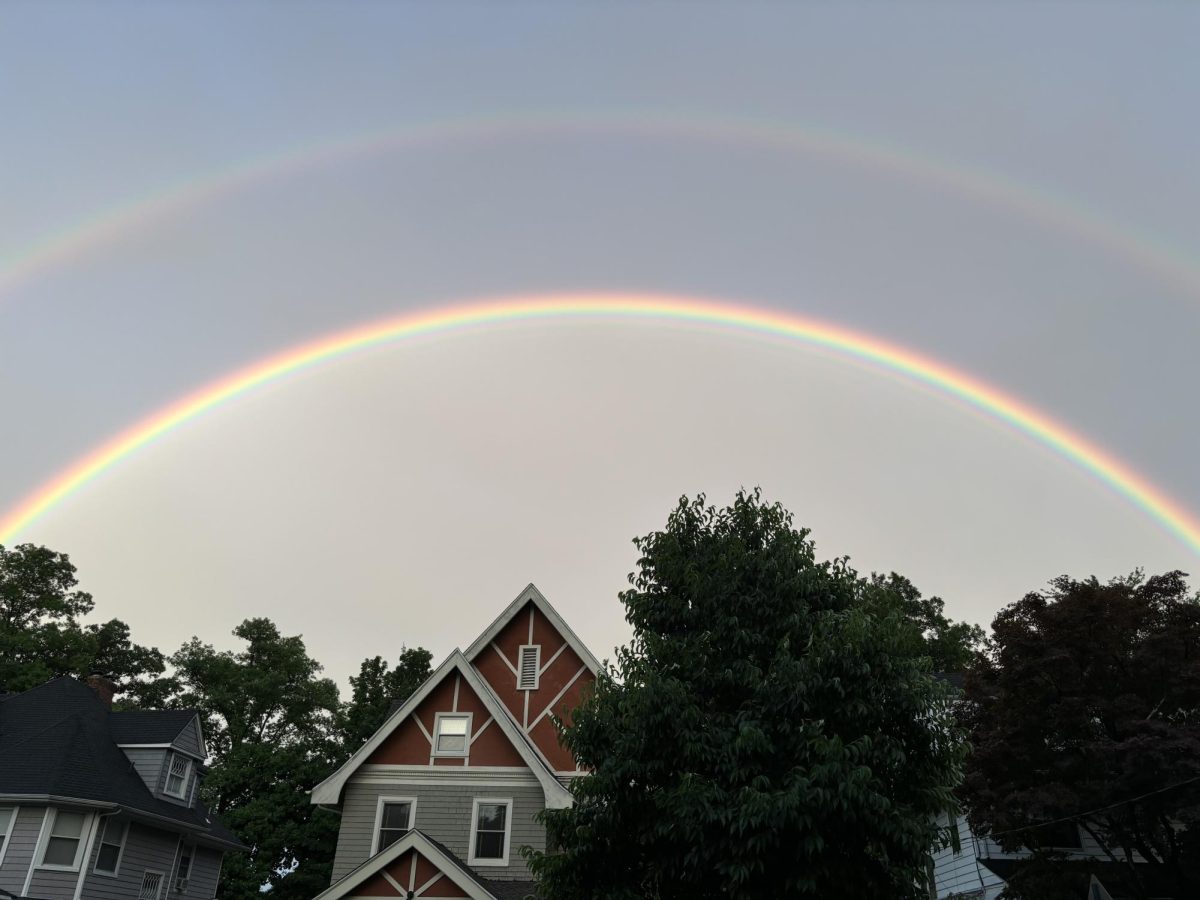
[148, 763]
[55, 884]
[206, 872]
[21, 846]
[145, 848]
[188, 740]
[961, 873]
[443, 813]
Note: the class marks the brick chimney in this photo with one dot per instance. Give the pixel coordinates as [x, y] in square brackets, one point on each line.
[104, 687]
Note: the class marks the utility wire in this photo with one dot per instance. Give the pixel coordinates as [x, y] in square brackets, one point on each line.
[1094, 811]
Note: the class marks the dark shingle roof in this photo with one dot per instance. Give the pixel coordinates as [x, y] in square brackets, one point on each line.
[149, 726]
[57, 740]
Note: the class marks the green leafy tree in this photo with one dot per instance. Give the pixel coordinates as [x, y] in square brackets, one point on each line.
[42, 637]
[270, 725]
[951, 646]
[1085, 710]
[766, 733]
[376, 688]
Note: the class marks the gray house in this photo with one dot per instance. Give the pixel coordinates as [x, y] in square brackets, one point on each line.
[101, 805]
[440, 800]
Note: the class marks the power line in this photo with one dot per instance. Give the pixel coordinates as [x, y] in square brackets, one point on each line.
[1099, 809]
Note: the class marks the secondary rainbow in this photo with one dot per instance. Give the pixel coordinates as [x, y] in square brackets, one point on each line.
[1146, 252]
[727, 316]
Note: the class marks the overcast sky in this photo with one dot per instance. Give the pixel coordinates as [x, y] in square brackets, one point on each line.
[405, 495]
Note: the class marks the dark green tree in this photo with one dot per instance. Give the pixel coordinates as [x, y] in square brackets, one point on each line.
[766, 733]
[376, 688]
[951, 646]
[1085, 711]
[270, 724]
[42, 637]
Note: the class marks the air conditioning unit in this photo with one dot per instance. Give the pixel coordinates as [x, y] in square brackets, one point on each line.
[181, 885]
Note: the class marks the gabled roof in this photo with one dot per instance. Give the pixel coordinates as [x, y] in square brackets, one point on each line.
[56, 744]
[149, 726]
[450, 866]
[329, 791]
[532, 595]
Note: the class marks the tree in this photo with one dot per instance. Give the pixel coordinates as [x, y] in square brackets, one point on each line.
[376, 689]
[951, 646]
[41, 636]
[1086, 709]
[766, 733]
[269, 722]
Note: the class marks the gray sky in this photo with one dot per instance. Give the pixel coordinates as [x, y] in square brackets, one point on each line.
[406, 494]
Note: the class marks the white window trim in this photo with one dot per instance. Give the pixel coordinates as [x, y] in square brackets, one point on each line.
[412, 817]
[537, 665]
[187, 775]
[437, 727]
[508, 821]
[191, 848]
[100, 842]
[12, 823]
[162, 882]
[48, 832]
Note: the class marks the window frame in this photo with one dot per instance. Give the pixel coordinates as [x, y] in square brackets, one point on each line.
[100, 842]
[380, 803]
[437, 729]
[6, 838]
[162, 880]
[47, 834]
[190, 850]
[537, 666]
[187, 775]
[476, 802]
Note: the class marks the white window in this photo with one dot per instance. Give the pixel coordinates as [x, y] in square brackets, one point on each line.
[177, 775]
[64, 842]
[491, 827]
[112, 845]
[8, 815]
[451, 734]
[394, 816]
[184, 871]
[152, 883]
[529, 670]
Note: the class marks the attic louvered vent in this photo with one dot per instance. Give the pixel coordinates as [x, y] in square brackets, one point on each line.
[531, 663]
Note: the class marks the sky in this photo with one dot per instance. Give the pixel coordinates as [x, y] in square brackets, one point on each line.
[189, 188]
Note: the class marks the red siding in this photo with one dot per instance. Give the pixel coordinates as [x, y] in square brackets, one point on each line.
[376, 886]
[405, 746]
[444, 887]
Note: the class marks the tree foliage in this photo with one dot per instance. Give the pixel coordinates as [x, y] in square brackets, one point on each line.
[376, 688]
[1086, 707]
[950, 646]
[42, 637]
[770, 731]
[269, 721]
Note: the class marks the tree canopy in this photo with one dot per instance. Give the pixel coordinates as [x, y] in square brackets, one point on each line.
[42, 637]
[769, 731]
[1085, 711]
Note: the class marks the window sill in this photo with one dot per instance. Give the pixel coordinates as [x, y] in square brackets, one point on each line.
[488, 862]
[50, 868]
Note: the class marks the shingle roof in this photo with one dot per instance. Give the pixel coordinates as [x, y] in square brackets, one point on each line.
[57, 740]
[149, 726]
[501, 890]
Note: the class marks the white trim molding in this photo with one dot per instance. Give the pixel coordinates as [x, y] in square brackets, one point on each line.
[329, 791]
[7, 836]
[532, 595]
[438, 719]
[379, 805]
[414, 840]
[47, 833]
[507, 803]
[105, 821]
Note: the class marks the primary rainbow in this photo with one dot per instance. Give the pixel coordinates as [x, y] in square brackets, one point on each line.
[655, 308]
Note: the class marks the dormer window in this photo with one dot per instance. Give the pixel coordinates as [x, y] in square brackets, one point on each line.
[177, 776]
[529, 669]
[451, 734]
